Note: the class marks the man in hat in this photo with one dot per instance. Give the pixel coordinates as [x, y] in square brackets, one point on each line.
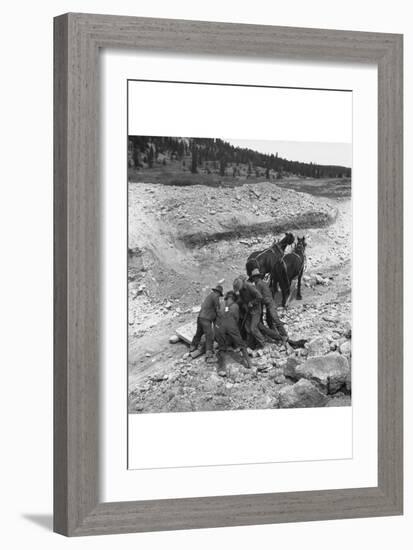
[209, 312]
[227, 331]
[278, 331]
[251, 301]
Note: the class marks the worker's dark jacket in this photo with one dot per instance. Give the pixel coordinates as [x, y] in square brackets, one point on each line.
[226, 328]
[265, 292]
[268, 300]
[229, 316]
[210, 307]
[251, 297]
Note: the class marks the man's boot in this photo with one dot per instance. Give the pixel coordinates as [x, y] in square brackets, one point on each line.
[209, 357]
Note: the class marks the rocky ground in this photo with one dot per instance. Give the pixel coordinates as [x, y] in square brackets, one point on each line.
[182, 241]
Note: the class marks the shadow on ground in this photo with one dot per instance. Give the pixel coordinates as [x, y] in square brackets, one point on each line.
[43, 520]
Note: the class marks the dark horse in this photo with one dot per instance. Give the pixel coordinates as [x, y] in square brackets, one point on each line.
[264, 259]
[269, 260]
[294, 263]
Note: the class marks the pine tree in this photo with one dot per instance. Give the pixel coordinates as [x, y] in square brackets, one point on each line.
[150, 156]
[222, 166]
[194, 165]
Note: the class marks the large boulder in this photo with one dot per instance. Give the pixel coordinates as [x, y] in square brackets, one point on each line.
[290, 367]
[187, 331]
[345, 348]
[329, 372]
[318, 346]
[301, 394]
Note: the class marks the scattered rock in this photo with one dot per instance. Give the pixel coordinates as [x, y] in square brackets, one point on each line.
[318, 346]
[345, 348]
[339, 400]
[290, 367]
[319, 280]
[179, 404]
[289, 349]
[193, 384]
[280, 379]
[329, 318]
[158, 378]
[330, 372]
[222, 403]
[302, 394]
[212, 384]
[263, 366]
[232, 370]
[174, 339]
[347, 329]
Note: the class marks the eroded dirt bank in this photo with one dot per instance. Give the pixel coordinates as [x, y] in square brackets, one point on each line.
[170, 272]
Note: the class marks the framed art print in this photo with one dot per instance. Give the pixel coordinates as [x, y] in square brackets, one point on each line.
[227, 274]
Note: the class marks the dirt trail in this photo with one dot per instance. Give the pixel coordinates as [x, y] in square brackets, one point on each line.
[168, 280]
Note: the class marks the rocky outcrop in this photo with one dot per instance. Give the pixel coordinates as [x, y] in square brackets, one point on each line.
[330, 373]
[302, 394]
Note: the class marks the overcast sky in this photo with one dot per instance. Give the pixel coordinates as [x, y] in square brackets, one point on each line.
[303, 151]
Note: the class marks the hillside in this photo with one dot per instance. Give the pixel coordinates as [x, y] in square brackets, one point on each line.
[214, 162]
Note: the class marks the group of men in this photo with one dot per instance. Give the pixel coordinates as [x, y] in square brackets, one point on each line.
[239, 321]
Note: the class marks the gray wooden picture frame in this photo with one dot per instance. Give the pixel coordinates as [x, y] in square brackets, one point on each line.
[78, 39]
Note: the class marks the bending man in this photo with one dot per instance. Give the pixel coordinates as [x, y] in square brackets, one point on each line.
[250, 299]
[273, 320]
[207, 315]
[227, 331]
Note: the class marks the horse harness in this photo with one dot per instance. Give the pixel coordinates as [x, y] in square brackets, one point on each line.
[270, 248]
[303, 258]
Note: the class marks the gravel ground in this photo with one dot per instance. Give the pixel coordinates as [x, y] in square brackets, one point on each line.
[169, 275]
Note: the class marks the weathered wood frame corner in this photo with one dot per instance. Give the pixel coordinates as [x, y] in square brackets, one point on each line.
[78, 39]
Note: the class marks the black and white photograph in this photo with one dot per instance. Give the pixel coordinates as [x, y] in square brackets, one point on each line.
[239, 274]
